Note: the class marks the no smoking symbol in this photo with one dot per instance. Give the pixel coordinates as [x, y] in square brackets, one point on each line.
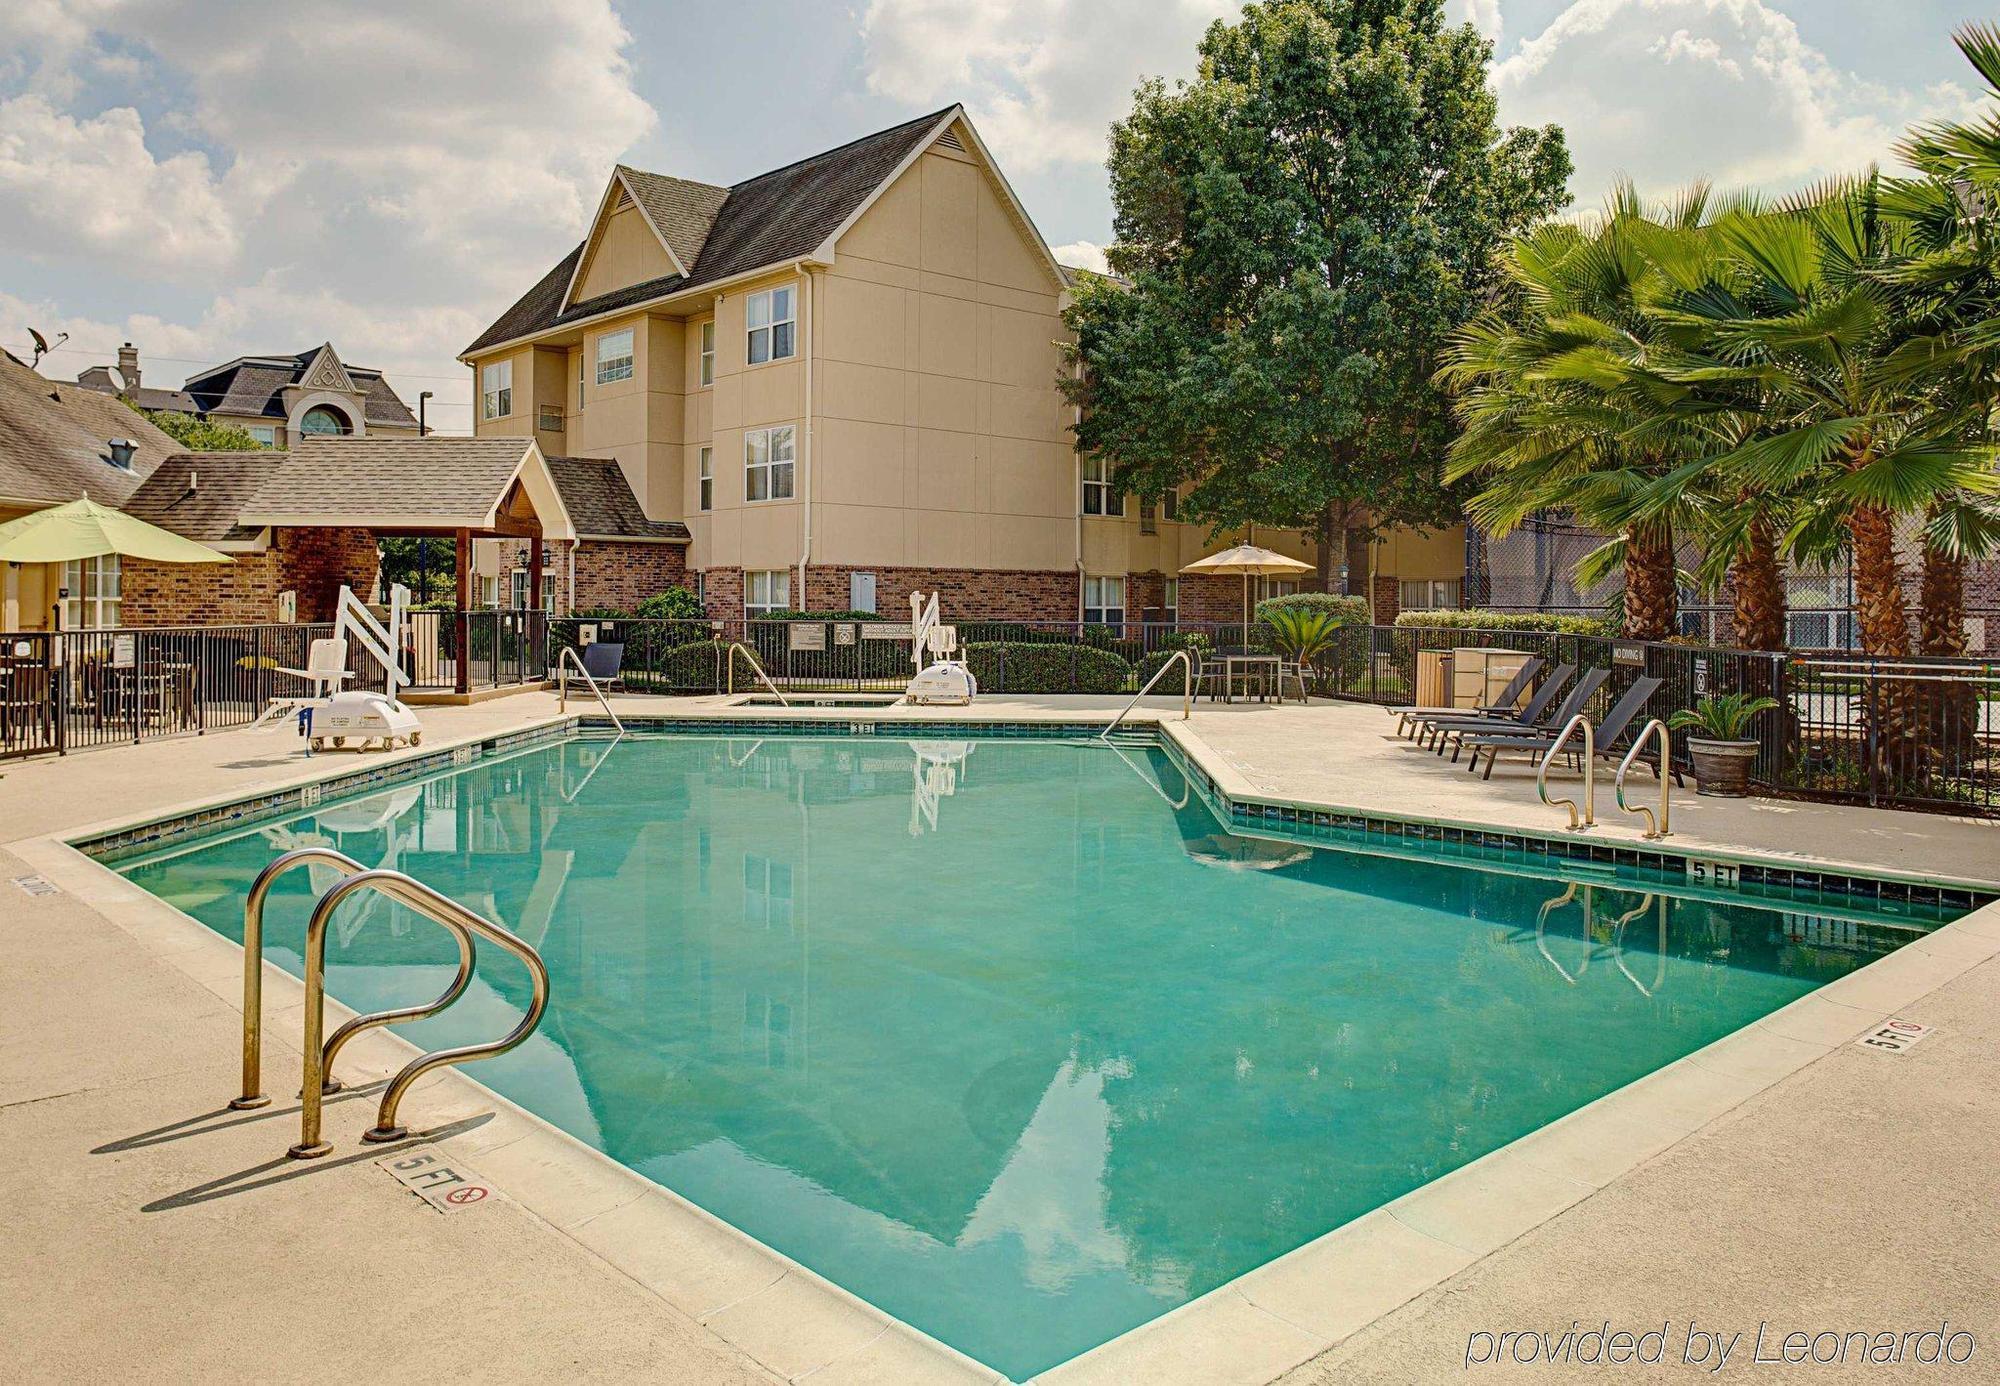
[471, 1193]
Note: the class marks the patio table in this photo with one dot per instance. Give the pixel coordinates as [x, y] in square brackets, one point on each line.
[1250, 663]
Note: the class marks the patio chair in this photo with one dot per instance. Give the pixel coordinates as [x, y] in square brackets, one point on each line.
[1432, 730]
[1608, 732]
[1579, 698]
[1509, 699]
[602, 660]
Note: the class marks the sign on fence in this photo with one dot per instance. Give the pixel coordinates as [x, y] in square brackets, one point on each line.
[843, 633]
[1629, 652]
[888, 630]
[805, 635]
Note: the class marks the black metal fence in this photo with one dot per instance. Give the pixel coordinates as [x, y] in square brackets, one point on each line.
[70, 690]
[1918, 733]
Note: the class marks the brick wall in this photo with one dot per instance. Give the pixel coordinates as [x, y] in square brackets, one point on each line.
[608, 573]
[314, 563]
[964, 594]
[1388, 599]
[1210, 599]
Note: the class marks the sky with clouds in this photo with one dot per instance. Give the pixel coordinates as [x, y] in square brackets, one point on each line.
[210, 178]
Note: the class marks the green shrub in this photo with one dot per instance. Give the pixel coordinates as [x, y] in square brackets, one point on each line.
[694, 666]
[1505, 620]
[674, 604]
[1005, 667]
[1349, 610]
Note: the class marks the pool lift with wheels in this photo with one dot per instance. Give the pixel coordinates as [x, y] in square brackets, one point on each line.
[946, 680]
[332, 714]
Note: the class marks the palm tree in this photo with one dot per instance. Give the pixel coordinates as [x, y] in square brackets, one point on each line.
[1808, 325]
[1551, 389]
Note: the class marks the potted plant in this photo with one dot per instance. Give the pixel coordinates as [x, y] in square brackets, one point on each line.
[1722, 752]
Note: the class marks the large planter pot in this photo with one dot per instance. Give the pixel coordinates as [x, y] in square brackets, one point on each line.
[1722, 768]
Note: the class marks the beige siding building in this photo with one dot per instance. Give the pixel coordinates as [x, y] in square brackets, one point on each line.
[842, 377]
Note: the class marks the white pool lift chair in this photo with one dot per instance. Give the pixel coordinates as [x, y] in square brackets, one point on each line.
[946, 679]
[332, 714]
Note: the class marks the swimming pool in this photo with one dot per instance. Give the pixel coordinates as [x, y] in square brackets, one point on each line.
[991, 1032]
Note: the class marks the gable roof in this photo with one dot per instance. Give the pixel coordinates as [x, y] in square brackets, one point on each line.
[681, 211]
[201, 495]
[787, 214]
[54, 440]
[601, 504]
[255, 385]
[404, 483]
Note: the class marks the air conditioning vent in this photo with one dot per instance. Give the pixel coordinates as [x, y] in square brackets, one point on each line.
[949, 140]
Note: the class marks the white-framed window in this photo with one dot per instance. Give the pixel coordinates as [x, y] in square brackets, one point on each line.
[520, 589]
[614, 356]
[579, 380]
[489, 590]
[496, 389]
[707, 331]
[768, 455]
[1098, 496]
[1170, 505]
[1276, 587]
[1104, 601]
[767, 591]
[1170, 598]
[94, 587]
[705, 481]
[265, 434]
[1427, 594]
[771, 320]
[549, 418]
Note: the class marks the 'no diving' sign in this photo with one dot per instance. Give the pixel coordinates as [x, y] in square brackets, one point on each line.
[445, 1185]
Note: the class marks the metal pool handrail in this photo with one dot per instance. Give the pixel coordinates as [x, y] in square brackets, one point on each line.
[1655, 827]
[253, 961]
[1187, 691]
[442, 910]
[569, 657]
[756, 667]
[1589, 773]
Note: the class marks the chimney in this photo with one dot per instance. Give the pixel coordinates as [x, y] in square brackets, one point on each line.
[128, 367]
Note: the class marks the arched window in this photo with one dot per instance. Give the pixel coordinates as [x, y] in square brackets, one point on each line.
[321, 420]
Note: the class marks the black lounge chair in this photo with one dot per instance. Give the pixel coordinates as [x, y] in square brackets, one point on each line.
[1433, 730]
[1609, 732]
[1579, 698]
[603, 660]
[1509, 699]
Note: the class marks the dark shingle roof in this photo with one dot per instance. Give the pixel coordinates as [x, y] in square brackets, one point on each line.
[767, 220]
[207, 512]
[53, 438]
[601, 504]
[100, 379]
[684, 211]
[255, 385]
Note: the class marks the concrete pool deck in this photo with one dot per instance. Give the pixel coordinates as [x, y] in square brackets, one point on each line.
[1847, 1187]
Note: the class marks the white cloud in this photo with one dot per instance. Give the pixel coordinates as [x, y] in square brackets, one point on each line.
[1082, 255]
[91, 187]
[1482, 14]
[387, 176]
[1043, 79]
[1667, 91]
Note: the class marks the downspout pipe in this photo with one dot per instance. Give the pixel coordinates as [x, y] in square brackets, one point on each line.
[806, 450]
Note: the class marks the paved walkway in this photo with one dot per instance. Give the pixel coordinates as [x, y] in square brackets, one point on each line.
[155, 1236]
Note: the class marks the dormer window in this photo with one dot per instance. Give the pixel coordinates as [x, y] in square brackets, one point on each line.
[770, 318]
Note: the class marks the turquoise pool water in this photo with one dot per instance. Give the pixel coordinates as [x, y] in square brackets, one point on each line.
[988, 1031]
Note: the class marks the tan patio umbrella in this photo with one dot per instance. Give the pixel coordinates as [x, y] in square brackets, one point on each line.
[85, 529]
[1250, 561]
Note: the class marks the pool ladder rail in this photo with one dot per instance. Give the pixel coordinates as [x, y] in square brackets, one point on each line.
[1187, 691]
[568, 660]
[756, 667]
[463, 924]
[1658, 825]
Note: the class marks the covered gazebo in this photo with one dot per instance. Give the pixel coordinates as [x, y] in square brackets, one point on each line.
[463, 488]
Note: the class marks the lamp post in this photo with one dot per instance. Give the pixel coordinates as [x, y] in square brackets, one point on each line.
[423, 429]
[423, 542]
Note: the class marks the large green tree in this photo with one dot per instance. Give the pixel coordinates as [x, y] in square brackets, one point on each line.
[1298, 230]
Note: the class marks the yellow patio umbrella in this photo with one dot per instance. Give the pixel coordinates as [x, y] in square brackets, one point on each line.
[1250, 561]
[85, 529]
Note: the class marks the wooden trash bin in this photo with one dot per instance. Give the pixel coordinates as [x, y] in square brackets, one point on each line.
[1433, 679]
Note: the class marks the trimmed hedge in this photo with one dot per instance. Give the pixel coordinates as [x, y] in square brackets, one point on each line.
[1351, 610]
[1005, 667]
[693, 665]
[1505, 620]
